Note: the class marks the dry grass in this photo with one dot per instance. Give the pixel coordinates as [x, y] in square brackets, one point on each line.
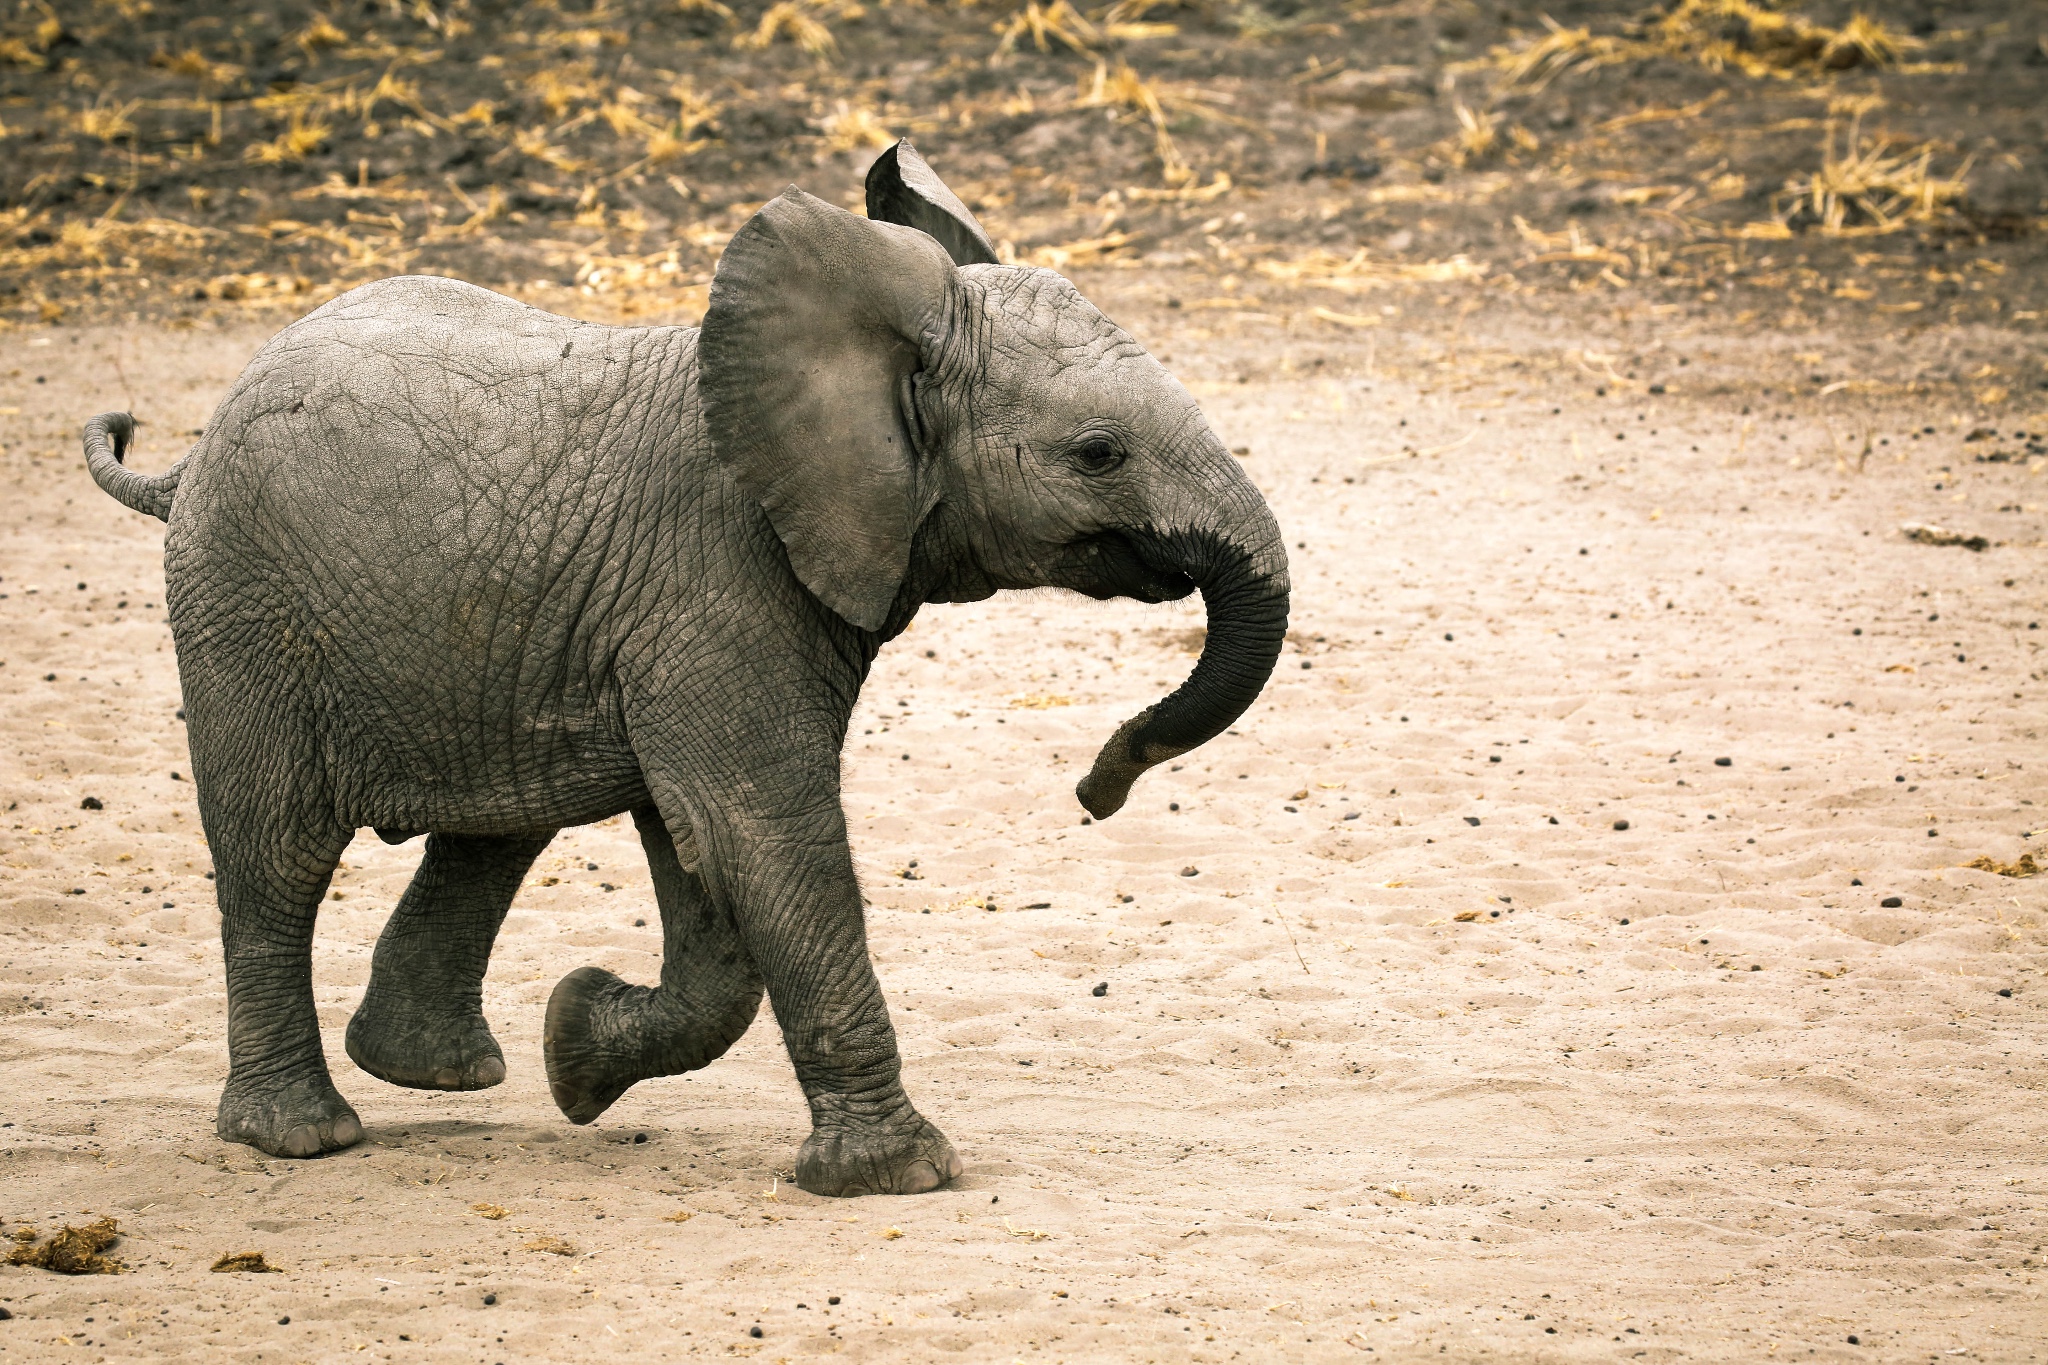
[1358, 274]
[1478, 137]
[1717, 34]
[1872, 187]
[1058, 22]
[852, 128]
[795, 21]
[301, 138]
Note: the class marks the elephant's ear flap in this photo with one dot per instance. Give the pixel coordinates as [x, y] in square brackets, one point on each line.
[903, 189]
[818, 319]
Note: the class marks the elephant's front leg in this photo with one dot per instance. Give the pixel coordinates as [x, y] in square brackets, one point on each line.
[800, 915]
[602, 1035]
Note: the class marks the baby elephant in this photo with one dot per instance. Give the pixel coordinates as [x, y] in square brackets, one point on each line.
[446, 564]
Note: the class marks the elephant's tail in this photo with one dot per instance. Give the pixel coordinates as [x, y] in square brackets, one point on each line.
[106, 442]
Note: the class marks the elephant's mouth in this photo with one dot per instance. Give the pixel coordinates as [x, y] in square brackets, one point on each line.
[1123, 563]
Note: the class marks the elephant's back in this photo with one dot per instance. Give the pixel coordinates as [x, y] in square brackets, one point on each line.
[416, 397]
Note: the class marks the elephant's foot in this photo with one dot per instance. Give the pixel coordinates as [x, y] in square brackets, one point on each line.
[585, 1074]
[426, 1050]
[298, 1118]
[908, 1157]
[603, 1035]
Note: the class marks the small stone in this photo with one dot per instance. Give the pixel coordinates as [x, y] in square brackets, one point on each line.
[834, 1300]
[2007, 992]
[639, 1138]
[754, 1331]
[490, 1299]
[1191, 872]
[1621, 824]
[284, 1321]
[1102, 989]
[91, 803]
[1724, 762]
[1853, 1341]
[1855, 881]
[1624, 921]
[1891, 902]
[1471, 819]
[639, 924]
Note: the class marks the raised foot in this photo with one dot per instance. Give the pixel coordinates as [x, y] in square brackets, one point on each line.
[425, 1052]
[295, 1119]
[842, 1163]
[584, 1075]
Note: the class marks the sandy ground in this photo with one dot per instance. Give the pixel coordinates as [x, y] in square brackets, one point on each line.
[1410, 1048]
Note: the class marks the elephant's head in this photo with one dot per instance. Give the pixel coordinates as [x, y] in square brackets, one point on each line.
[921, 423]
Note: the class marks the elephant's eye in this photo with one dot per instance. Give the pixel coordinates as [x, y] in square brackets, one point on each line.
[1098, 454]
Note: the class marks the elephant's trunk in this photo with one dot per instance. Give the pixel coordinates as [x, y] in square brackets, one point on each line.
[1243, 581]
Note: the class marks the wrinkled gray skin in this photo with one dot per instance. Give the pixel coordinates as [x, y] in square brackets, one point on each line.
[443, 563]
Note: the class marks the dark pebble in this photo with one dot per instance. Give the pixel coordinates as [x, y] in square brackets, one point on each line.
[1447, 635]
[1891, 902]
[1553, 819]
[1932, 832]
[1087, 819]
[1621, 824]
[284, 1321]
[639, 924]
[1724, 762]
[1853, 1341]
[490, 1299]
[91, 803]
[639, 1138]
[1624, 921]
[1855, 881]
[2007, 992]
[1102, 989]
[1471, 819]
[754, 1331]
[833, 1300]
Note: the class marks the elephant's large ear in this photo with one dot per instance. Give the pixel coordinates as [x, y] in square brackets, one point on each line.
[903, 189]
[818, 319]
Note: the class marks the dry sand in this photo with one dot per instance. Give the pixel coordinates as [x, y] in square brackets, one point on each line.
[1478, 1073]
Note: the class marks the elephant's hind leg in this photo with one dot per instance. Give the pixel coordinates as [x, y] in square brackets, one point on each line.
[421, 1023]
[602, 1035]
[271, 867]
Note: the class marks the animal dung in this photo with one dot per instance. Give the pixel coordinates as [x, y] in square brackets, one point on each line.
[1926, 533]
[244, 1263]
[552, 1246]
[72, 1251]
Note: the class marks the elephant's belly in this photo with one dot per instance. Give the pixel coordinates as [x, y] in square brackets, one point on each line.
[482, 782]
